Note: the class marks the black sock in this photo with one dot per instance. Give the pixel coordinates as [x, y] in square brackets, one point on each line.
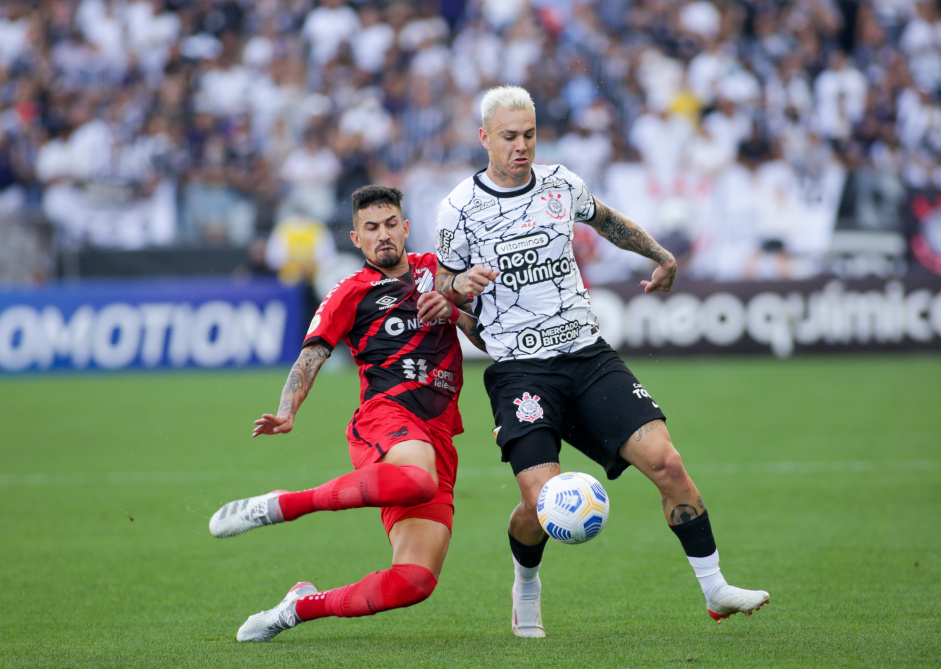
[696, 536]
[527, 556]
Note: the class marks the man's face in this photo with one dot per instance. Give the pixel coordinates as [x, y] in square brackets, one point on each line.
[380, 232]
[510, 140]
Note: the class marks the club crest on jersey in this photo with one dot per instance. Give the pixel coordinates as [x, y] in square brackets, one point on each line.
[529, 410]
[556, 210]
[424, 281]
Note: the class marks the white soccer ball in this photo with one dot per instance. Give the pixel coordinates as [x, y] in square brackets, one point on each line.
[573, 507]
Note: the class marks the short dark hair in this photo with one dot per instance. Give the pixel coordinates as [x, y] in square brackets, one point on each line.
[367, 196]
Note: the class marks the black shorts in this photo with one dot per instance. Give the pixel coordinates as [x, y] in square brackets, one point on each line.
[588, 398]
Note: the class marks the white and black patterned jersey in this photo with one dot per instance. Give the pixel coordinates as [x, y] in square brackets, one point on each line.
[538, 307]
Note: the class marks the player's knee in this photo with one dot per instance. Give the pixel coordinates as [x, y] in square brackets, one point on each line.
[675, 471]
[668, 468]
[418, 486]
[412, 582]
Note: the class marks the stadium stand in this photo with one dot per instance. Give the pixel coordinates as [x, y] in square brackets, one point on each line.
[760, 139]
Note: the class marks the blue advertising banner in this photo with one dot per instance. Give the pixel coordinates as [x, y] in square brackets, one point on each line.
[174, 323]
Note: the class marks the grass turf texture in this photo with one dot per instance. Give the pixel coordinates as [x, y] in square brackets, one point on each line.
[822, 476]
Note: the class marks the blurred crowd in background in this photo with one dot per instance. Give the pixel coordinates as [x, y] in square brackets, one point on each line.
[737, 132]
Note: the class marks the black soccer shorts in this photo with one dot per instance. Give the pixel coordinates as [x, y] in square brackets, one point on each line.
[588, 398]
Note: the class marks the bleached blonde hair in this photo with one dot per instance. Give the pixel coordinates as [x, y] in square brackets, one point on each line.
[511, 98]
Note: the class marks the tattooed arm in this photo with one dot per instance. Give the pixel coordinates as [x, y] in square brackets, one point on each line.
[299, 382]
[468, 325]
[432, 305]
[625, 234]
[459, 287]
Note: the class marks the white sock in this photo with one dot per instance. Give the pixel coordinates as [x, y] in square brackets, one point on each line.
[708, 572]
[527, 578]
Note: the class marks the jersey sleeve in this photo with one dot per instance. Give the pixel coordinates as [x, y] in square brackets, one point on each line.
[583, 207]
[451, 239]
[334, 317]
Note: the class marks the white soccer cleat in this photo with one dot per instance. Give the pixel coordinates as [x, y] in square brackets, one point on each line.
[246, 514]
[728, 600]
[526, 618]
[266, 625]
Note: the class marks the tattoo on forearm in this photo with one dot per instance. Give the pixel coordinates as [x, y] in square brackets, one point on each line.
[301, 377]
[626, 234]
[459, 284]
[683, 513]
[468, 325]
[444, 284]
[700, 502]
[644, 429]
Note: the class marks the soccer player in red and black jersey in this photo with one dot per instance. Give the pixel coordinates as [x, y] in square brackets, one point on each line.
[403, 337]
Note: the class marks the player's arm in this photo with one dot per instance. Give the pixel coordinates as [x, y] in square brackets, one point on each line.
[460, 287]
[627, 235]
[468, 325]
[299, 382]
[432, 305]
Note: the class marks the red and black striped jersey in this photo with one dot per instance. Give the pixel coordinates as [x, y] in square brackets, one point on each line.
[415, 364]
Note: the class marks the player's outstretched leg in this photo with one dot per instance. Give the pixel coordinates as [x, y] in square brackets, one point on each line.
[399, 586]
[266, 625]
[377, 484]
[246, 514]
[727, 600]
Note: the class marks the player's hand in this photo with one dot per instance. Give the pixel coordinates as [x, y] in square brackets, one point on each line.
[433, 305]
[271, 424]
[475, 280]
[662, 278]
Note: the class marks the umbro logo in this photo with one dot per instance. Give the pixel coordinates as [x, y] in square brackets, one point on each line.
[386, 302]
[401, 432]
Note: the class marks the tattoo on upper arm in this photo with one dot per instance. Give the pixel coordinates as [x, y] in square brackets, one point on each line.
[625, 234]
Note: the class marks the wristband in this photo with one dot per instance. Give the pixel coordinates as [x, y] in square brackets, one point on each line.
[454, 316]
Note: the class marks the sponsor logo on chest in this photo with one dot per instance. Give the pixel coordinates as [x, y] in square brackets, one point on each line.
[519, 263]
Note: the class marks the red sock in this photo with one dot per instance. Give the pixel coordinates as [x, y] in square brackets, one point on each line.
[378, 484]
[401, 585]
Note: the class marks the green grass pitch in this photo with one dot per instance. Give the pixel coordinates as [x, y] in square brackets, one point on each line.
[822, 477]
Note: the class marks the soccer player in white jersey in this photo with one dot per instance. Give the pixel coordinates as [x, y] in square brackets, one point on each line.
[505, 235]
